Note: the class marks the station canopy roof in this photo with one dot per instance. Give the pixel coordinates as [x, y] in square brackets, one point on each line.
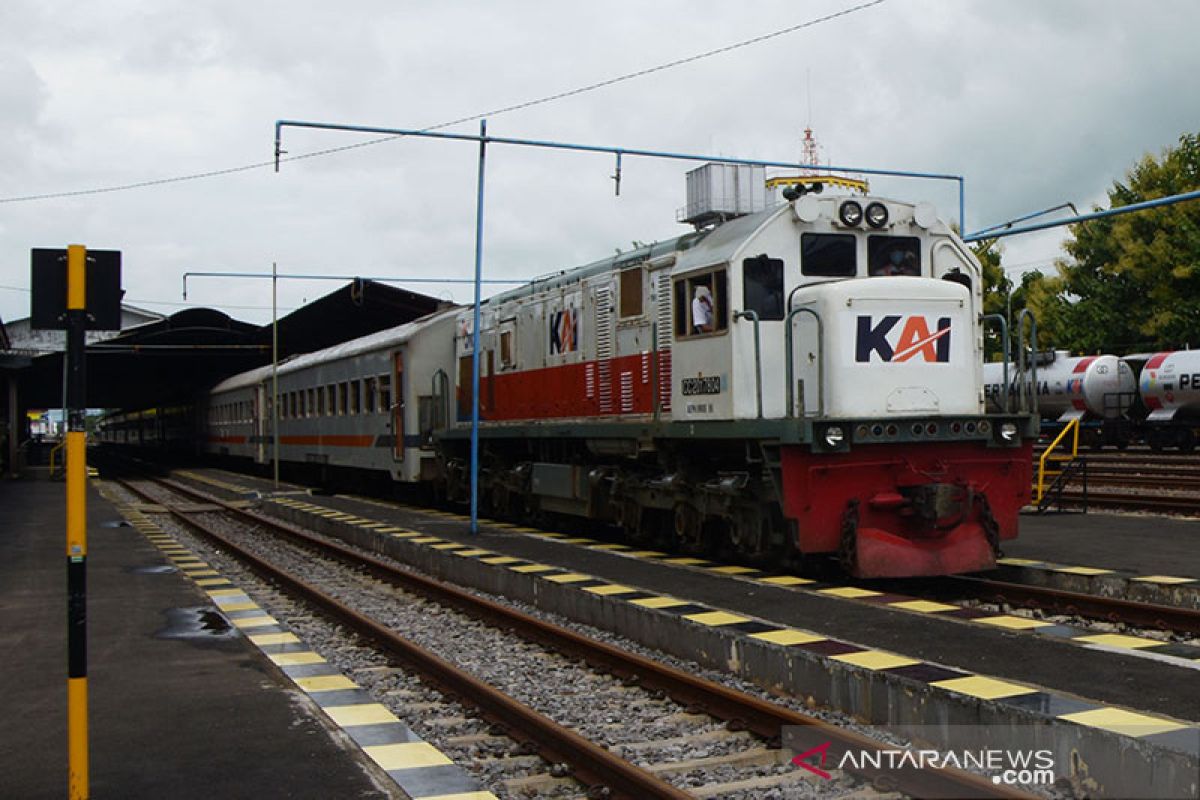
[172, 360]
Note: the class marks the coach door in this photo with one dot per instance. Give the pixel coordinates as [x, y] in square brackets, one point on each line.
[261, 414]
[398, 405]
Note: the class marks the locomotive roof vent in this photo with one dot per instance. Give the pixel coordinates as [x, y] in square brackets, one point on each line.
[717, 192]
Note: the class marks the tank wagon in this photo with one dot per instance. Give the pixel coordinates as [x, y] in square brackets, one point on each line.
[802, 380]
[1099, 390]
[1170, 390]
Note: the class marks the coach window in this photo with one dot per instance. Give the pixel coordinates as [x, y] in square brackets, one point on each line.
[385, 392]
[369, 390]
[343, 398]
[762, 287]
[294, 404]
[301, 406]
[312, 402]
[894, 255]
[692, 295]
[631, 292]
[828, 255]
[355, 393]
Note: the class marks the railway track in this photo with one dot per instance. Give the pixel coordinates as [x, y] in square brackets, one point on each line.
[757, 724]
[1109, 609]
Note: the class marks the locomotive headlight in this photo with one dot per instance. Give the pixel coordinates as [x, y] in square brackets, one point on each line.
[877, 215]
[850, 213]
[834, 436]
[1008, 432]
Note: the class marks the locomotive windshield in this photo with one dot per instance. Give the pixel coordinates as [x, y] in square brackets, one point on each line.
[894, 255]
[828, 255]
[762, 281]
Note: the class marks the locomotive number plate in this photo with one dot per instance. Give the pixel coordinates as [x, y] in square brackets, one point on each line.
[694, 386]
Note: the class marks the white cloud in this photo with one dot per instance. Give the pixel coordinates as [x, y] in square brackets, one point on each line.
[1035, 103]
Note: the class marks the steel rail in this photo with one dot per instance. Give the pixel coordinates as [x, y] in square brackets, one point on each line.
[604, 773]
[1179, 504]
[1113, 609]
[739, 710]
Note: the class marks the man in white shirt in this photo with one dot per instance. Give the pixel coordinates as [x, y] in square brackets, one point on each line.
[702, 310]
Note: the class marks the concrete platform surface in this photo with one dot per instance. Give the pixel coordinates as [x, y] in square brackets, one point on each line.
[198, 716]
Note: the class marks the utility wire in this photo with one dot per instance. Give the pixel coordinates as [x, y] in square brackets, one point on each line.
[493, 113]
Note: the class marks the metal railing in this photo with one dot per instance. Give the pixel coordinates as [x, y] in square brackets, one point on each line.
[1048, 455]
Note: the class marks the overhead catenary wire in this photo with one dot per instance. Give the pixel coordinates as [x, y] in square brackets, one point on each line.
[472, 118]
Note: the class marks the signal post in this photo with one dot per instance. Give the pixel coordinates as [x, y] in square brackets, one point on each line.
[88, 305]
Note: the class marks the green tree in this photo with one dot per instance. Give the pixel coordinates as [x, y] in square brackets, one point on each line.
[996, 289]
[1134, 282]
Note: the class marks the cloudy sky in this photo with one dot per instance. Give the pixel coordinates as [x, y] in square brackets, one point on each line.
[1036, 103]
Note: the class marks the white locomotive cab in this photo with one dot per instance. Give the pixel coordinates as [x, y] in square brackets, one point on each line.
[890, 346]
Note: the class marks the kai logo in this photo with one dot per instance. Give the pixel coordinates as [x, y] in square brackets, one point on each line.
[564, 331]
[915, 339]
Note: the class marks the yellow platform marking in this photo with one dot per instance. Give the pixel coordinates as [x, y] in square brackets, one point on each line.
[447, 545]
[500, 560]
[715, 618]
[1083, 570]
[569, 577]
[213, 582]
[426, 540]
[296, 659]
[659, 602]
[528, 568]
[224, 592]
[849, 592]
[255, 622]
[785, 580]
[544, 534]
[577, 540]
[787, 636]
[244, 605]
[732, 570]
[612, 588]
[1123, 722]
[373, 525]
[475, 552]
[645, 554]
[407, 755]
[391, 529]
[875, 659]
[983, 688]
[686, 561]
[1019, 562]
[1118, 640]
[363, 714]
[1164, 579]
[201, 573]
[405, 534]
[461, 796]
[924, 606]
[325, 683]
[264, 639]
[609, 546]
[1013, 623]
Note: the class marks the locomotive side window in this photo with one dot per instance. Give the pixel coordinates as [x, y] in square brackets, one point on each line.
[762, 288]
[701, 304]
[631, 292]
[506, 348]
[828, 255]
[894, 255]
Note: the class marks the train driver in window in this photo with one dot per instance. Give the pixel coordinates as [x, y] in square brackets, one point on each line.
[896, 260]
[702, 310]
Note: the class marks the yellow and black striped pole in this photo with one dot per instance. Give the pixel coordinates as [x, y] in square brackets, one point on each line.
[77, 693]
